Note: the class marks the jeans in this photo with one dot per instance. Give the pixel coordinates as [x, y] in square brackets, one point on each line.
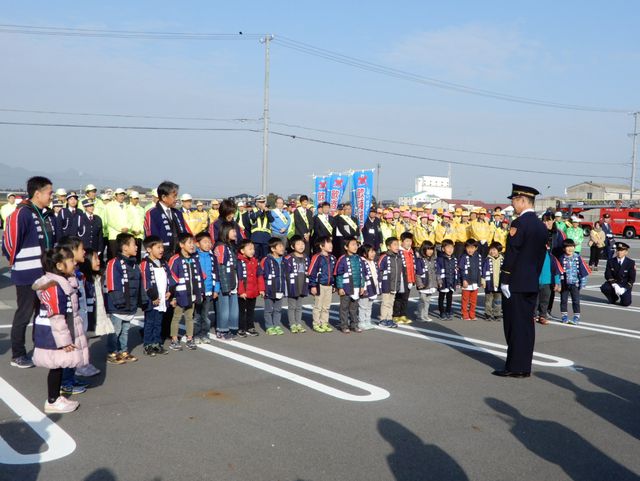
[201, 321]
[272, 312]
[68, 376]
[28, 306]
[348, 312]
[574, 292]
[152, 327]
[119, 340]
[227, 315]
[365, 305]
[294, 314]
[247, 312]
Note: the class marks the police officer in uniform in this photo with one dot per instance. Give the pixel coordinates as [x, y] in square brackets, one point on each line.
[620, 275]
[523, 260]
[259, 219]
[90, 227]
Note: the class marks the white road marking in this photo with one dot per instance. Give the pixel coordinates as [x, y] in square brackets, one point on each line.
[554, 361]
[59, 443]
[4, 306]
[375, 393]
[5, 326]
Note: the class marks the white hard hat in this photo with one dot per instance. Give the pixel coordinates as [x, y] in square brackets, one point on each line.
[119, 190]
[90, 187]
[184, 197]
[61, 191]
[575, 218]
[558, 214]
[134, 194]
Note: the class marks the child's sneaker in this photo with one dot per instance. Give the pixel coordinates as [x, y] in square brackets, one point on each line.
[230, 336]
[576, 320]
[565, 318]
[252, 333]
[398, 320]
[318, 328]
[271, 331]
[406, 320]
[242, 333]
[87, 371]
[159, 348]
[205, 339]
[279, 330]
[220, 335]
[149, 350]
[327, 328]
[294, 328]
[61, 405]
[175, 346]
[191, 345]
[301, 329]
[72, 389]
[112, 358]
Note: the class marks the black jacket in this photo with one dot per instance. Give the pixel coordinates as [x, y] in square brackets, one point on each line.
[624, 275]
[371, 233]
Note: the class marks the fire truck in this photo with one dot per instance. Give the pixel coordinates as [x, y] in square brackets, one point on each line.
[625, 215]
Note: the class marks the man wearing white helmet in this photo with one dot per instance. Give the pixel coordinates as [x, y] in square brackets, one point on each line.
[61, 195]
[117, 220]
[576, 233]
[154, 200]
[91, 193]
[186, 202]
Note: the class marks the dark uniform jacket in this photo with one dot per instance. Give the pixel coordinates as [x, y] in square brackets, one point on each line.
[624, 275]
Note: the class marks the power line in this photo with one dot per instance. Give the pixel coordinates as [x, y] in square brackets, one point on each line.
[432, 159]
[409, 76]
[131, 116]
[102, 33]
[297, 137]
[312, 129]
[448, 149]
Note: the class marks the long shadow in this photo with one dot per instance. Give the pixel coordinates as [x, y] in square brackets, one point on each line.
[24, 440]
[412, 459]
[620, 387]
[557, 444]
[619, 411]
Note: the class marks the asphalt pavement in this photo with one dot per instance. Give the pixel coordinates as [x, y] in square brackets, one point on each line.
[414, 403]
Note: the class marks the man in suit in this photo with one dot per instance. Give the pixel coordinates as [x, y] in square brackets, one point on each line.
[346, 226]
[371, 232]
[90, 228]
[523, 260]
[303, 223]
[609, 245]
[620, 276]
[323, 223]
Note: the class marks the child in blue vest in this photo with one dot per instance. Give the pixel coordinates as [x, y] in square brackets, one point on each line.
[156, 281]
[321, 283]
[350, 285]
[447, 268]
[296, 266]
[275, 286]
[227, 311]
[58, 335]
[470, 270]
[124, 296]
[573, 277]
[491, 283]
[371, 286]
[209, 266]
[189, 289]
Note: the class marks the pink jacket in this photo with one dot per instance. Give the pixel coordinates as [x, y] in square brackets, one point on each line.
[51, 331]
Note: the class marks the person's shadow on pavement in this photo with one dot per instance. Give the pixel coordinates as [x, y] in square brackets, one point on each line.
[552, 441]
[412, 459]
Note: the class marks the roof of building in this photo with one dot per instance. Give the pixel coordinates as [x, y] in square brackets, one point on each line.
[602, 185]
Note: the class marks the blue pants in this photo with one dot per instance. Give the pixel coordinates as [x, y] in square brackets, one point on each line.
[119, 340]
[201, 321]
[152, 327]
[227, 315]
[68, 376]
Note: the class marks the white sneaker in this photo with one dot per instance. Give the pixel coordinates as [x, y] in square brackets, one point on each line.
[61, 405]
[87, 371]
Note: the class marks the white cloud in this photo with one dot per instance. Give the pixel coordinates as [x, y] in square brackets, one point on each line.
[468, 51]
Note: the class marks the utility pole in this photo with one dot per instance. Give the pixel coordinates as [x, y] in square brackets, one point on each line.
[265, 116]
[378, 185]
[634, 156]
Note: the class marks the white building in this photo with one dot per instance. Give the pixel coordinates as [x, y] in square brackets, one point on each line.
[599, 191]
[439, 187]
[415, 198]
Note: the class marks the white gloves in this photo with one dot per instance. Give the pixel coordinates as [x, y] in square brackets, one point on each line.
[618, 289]
[505, 290]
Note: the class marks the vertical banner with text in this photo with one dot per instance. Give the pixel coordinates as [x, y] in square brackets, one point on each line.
[337, 186]
[361, 194]
[321, 186]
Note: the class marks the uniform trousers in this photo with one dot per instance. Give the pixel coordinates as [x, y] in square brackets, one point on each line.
[519, 330]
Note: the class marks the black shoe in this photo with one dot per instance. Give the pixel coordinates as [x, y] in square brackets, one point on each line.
[149, 350]
[160, 349]
[503, 373]
[252, 332]
[242, 333]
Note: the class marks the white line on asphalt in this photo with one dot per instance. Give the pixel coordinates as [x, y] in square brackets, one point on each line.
[556, 361]
[59, 443]
[375, 393]
[4, 306]
[5, 326]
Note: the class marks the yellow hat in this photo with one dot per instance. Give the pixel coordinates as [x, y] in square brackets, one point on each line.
[465, 213]
[476, 210]
[440, 210]
[419, 209]
[483, 210]
[404, 208]
[458, 211]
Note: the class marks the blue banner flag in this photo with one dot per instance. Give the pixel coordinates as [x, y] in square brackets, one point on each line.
[321, 187]
[361, 194]
[337, 186]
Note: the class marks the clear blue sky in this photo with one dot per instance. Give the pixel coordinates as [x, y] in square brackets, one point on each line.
[570, 52]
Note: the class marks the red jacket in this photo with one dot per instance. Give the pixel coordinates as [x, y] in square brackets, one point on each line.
[250, 280]
[410, 264]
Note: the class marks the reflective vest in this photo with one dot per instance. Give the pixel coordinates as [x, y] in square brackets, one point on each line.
[261, 225]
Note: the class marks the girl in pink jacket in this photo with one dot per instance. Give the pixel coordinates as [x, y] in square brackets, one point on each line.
[59, 337]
